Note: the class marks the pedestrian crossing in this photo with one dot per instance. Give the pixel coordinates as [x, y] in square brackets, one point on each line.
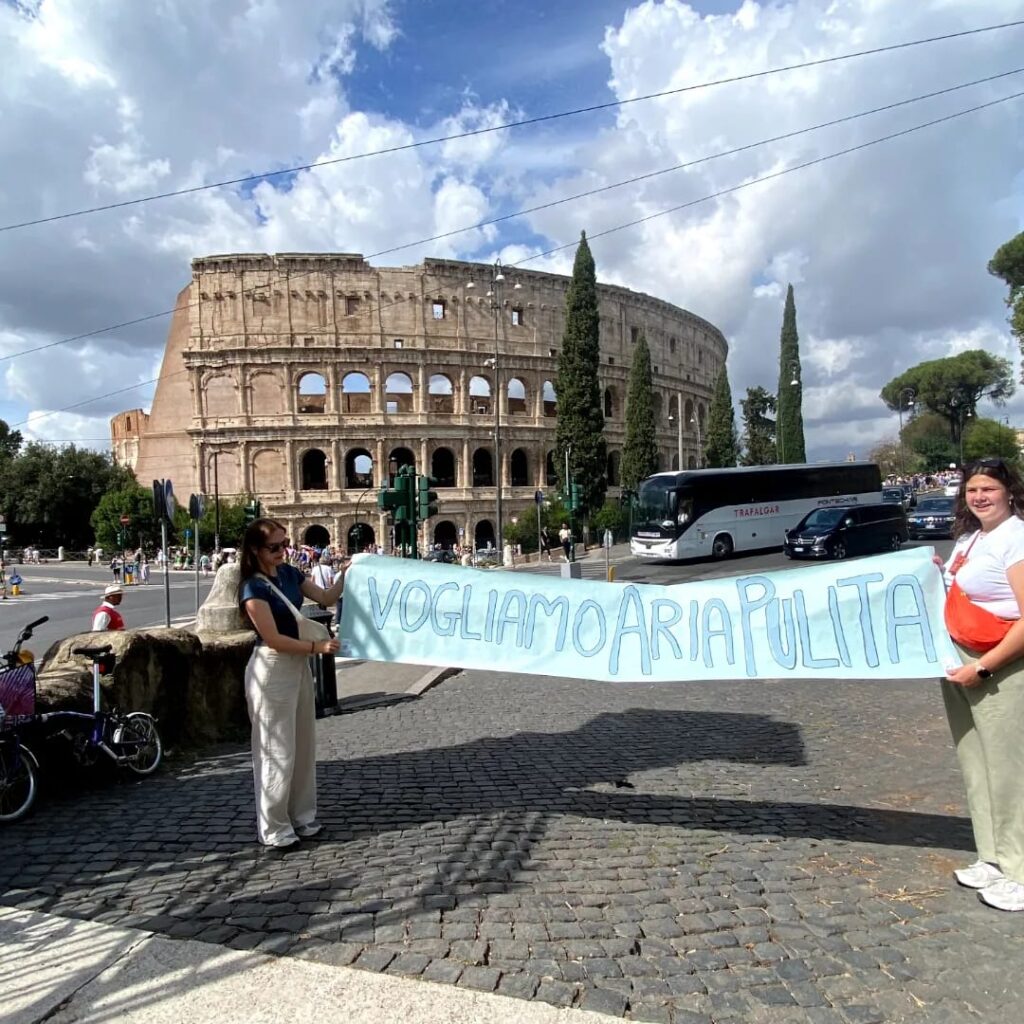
[32, 596]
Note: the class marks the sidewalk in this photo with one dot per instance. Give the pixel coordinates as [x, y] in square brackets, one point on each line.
[60, 971]
[363, 684]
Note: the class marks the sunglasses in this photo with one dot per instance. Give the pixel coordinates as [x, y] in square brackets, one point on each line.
[280, 546]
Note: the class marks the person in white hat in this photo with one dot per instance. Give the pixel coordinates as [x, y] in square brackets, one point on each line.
[107, 616]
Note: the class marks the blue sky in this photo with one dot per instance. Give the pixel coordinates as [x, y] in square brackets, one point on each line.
[545, 55]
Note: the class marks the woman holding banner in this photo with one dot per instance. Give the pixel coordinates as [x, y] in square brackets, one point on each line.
[279, 684]
[984, 697]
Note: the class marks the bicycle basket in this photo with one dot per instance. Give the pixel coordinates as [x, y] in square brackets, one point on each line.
[18, 691]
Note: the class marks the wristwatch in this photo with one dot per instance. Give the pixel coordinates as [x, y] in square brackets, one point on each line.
[983, 673]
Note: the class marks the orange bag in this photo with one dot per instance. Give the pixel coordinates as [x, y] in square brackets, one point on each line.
[970, 626]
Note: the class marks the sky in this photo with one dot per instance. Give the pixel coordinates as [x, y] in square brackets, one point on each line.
[103, 101]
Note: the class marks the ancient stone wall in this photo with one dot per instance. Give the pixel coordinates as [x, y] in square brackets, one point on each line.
[304, 376]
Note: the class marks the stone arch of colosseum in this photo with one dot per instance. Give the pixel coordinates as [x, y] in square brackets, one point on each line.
[307, 369]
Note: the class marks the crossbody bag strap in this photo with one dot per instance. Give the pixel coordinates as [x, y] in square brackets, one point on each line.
[298, 615]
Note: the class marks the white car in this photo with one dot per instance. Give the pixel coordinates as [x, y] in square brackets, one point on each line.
[951, 490]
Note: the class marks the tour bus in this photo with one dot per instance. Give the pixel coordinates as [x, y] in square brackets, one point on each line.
[715, 512]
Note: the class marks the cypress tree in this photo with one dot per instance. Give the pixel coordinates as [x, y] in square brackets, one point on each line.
[640, 450]
[580, 414]
[790, 418]
[721, 446]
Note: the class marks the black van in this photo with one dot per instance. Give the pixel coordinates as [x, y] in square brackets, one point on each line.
[847, 530]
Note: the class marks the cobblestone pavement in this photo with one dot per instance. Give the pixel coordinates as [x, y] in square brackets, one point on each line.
[751, 851]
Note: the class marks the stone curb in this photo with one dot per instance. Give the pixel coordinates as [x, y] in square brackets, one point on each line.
[431, 679]
[82, 972]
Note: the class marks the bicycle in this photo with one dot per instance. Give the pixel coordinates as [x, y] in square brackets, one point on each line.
[130, 740]
[19, 768]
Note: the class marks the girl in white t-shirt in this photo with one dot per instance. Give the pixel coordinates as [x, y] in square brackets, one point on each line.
[984, 697]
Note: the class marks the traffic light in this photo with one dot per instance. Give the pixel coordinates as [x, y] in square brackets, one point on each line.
[400, 501]
[253, 511]
[574, 497]
[426, 499]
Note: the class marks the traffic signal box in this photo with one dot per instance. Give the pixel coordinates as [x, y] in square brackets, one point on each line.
[410, 502]
[426, 503]
[252, 512]
[574, 497]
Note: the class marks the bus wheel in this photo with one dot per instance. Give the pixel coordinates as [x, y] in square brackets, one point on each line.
[722, 547]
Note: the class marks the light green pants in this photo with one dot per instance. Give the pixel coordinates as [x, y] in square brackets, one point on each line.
[987, 723]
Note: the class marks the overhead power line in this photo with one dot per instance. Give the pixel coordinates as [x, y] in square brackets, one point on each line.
[567, 199]
[778, 174]
[633, 223]
[540, 119]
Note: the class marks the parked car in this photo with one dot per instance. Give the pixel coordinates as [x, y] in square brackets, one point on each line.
[894, 496]
[444, 556]
[933, 517]
[847, 530]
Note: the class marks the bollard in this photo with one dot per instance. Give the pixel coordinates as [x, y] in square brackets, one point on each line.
[611, 573]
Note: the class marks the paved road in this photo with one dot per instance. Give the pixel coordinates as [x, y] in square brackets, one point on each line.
[643, 571]
[763, 851]
[69, 593]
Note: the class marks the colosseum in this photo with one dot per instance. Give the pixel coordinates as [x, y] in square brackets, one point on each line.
[306, 379]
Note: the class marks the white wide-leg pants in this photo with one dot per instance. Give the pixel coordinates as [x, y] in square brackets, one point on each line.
[279, 692]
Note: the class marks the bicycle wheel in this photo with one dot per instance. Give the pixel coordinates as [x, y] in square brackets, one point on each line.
[138, 742]
[18, 780]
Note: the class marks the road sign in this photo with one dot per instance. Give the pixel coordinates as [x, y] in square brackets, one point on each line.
[538, 496]
[125, 520]
[196, 506]
[169, 501]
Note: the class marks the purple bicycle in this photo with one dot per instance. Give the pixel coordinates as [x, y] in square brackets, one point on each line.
[129, 739]
[19, 769]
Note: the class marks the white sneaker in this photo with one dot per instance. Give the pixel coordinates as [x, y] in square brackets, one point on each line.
[312, 829]
[1005, 894]
[978, 875]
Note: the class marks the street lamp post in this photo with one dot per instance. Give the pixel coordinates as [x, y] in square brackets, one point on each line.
[216, 504]
[695, 420]
[494, 294]
[899, 411]
[963, 409]
[358, 525]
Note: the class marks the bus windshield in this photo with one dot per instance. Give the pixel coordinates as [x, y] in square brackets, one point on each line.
[662, 504]
[657, 501]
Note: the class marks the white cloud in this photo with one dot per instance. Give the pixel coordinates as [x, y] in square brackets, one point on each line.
[886, 248]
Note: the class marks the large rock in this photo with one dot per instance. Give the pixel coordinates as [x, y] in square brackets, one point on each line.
[193, 684]
[220, 612]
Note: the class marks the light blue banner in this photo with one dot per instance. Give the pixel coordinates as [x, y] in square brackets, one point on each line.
[874, 617]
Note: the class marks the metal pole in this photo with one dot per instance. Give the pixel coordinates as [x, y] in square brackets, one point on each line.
[195, 526]
[167, 572]
[679, 431]
[216, 504]
[899, 412]
[496, 288]
[572, 516]
[538, 506]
